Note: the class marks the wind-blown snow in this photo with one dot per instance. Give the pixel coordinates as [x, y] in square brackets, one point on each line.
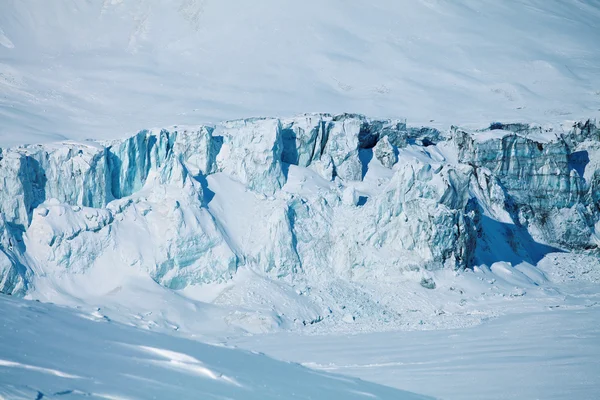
[102, 69]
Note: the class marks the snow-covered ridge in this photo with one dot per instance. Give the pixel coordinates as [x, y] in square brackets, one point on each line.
[307, 200]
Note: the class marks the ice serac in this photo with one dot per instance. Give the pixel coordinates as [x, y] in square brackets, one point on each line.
[304, 138]
[348, 134]
[251, 153]
[426, 217]
[130, 161]
[90, 174]
[344, 135]
[93, 174]
[534, 173]
[14, 276]
[198, 148]
[162, 230]
[546, 188]
[69, 208]
[331, 144]
[386, 153]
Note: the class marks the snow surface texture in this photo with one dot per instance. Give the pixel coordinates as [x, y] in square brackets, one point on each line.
[300, 220]
[114, 361]
[551, 356]
[549, 351]
[548, 347]
[96, 69]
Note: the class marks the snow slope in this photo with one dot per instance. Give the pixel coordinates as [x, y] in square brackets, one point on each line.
[548, 347]
[49, 352]
[105, 69]
[548, 355]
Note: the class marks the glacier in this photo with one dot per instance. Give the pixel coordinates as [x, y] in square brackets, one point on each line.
[309, 201]
[430, 223]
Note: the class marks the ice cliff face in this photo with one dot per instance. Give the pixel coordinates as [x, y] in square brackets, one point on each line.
[311, 198]
[551, 187]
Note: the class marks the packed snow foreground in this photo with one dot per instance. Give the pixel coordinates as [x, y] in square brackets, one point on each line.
[80, 358]
[316, 224]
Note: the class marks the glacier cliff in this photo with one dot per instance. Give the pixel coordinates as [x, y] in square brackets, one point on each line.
[305, 200]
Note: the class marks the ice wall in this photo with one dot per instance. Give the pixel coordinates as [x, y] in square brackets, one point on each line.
[315, 196]
[551, 185]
